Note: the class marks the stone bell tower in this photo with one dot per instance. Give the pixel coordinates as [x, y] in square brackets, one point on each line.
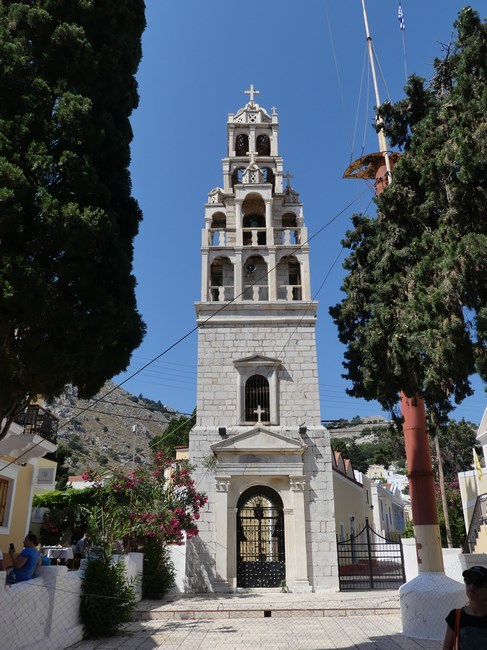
[258, 447]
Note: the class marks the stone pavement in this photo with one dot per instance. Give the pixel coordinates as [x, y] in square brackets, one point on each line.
[348, 621]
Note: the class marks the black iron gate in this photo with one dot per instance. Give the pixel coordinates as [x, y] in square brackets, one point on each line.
[260, 539]
[369, 561]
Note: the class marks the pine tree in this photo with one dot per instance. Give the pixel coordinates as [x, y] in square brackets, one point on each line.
[67, 223]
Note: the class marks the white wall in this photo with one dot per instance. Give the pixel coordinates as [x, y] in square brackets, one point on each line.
[454, 560]
[43, 613]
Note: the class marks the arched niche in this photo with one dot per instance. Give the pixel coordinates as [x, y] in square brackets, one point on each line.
[219, 221]
[288, 274]
[255, 278]
[253, 221]
[221, 280]
[218, 229]
[290, 234]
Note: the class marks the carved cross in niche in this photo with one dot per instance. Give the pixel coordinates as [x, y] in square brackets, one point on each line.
[252, 92]
[288, 177]
[259, 412]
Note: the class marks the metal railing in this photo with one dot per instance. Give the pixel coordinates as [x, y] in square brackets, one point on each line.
[479, 519]
[37, 421]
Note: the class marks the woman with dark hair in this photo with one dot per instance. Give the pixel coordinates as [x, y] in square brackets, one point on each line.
[467, 627]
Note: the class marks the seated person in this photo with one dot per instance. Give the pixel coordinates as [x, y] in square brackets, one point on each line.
[82, 546]
[26, 562]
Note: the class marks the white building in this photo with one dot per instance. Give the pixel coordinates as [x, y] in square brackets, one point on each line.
[258, 446]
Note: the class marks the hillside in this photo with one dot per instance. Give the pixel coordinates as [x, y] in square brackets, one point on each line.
[96, 433]
[357, 428]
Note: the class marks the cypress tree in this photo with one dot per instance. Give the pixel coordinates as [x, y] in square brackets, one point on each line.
[68, 312]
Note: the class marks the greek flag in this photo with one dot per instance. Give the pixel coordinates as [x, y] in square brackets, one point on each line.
[400, 17]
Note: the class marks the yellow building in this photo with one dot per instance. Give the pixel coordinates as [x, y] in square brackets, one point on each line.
[23, 471]
[473, 490]
[352, 498]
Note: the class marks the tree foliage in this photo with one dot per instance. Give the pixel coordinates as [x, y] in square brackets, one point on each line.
[67, 302]
[176, 435]
[457, 440]
[415, 313]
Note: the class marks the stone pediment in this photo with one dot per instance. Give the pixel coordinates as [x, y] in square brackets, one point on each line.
[259, 441]
[257, 360]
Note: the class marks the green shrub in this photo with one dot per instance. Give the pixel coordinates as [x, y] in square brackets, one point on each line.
[107, 598]
[158, 574]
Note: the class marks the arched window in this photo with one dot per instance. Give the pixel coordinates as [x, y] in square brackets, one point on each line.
[221, 280]
[241, 144]
[289, 220]
[219, 220]
[257, 403]
[263, 145]
[254, 233]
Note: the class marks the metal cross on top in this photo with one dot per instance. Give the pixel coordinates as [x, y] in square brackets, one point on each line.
[252, 92]
[288, 176]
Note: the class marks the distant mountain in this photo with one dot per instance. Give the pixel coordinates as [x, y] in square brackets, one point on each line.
[98, 433]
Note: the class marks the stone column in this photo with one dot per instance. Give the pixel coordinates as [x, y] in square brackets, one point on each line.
[300, 581]
[221, 520]
[238, 223]
[272, 275]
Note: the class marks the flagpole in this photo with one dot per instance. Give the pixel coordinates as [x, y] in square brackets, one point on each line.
[382, 138]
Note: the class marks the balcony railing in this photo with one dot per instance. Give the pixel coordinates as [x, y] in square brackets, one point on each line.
[289, 292]
[287, 236]
[217, 237]
[37, 421]
[254, 236]
[256, 292]
[221, 238]
[479, 519]
[221, 293]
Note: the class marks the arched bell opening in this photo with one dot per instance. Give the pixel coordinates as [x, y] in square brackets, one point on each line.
[253, 222]
[288, 274]
[241, 144]
[291, 234]
[221, 280]
[255, 279]
[263, 144]
[261, 558]
[218, 229]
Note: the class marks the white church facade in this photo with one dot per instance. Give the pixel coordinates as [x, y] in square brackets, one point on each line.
[258, 447]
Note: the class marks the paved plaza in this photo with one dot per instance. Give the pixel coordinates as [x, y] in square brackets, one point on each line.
[365, 621]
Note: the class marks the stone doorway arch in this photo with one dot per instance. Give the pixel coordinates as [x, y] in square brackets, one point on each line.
[260, 538]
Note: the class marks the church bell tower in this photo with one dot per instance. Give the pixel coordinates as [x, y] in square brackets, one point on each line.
[258, 447]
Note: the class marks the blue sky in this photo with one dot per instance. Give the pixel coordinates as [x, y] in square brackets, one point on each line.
[307, 58]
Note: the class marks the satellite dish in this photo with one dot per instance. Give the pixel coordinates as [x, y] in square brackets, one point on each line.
[250, 267]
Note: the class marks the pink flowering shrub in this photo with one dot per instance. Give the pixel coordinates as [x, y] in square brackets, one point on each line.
[159, 502]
